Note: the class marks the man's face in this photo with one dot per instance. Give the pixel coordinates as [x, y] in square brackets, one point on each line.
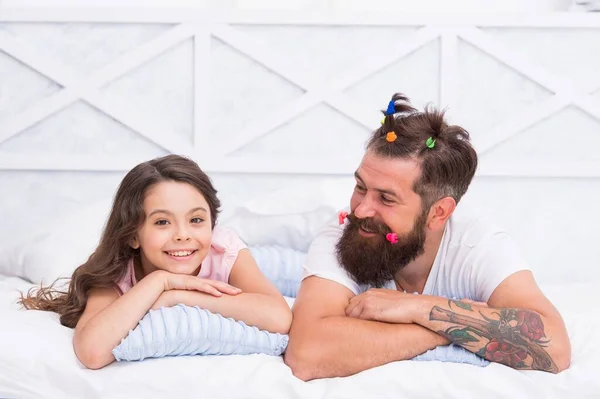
[383, 202]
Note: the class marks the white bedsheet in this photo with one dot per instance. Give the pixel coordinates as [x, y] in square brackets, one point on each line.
[37, 361]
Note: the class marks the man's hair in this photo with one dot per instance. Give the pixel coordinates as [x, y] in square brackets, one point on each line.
[447, 164]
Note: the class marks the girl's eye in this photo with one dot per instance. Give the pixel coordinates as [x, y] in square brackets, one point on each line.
[197, 220]
[161, 222]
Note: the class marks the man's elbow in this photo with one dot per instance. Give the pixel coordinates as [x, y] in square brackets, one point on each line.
[301, 361]
[306, 354]
[563, 359]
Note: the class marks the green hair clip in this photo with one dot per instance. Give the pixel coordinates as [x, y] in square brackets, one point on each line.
[430, 143]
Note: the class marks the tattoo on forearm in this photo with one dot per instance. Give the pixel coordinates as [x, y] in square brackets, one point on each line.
[460, 304]
[516, 338]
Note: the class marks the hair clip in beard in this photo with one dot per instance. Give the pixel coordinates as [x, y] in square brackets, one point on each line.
[392, 237]
[342, 217]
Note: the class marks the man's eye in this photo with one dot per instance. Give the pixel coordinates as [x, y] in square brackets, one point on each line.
[161, 222]
[197, 220]
[359, 188]
[386, 199]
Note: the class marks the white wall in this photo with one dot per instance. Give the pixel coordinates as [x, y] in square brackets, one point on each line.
[336, 5]
[267, 101]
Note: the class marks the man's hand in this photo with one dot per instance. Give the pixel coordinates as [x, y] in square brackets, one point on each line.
[391, 306]
[385, 305]
[322, 330]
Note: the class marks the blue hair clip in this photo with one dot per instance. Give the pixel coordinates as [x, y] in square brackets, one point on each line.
[391, 109]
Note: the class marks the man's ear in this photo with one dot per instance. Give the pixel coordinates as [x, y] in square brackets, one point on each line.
[439, 213]
[134, 243]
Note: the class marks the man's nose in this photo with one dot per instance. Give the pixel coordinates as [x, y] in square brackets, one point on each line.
[365, 208]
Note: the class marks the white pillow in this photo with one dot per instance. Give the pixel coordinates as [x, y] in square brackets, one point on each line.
[57, 253]
[294, 231]
[292, 216]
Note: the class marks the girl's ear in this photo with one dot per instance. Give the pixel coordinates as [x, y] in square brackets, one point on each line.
[134, 243]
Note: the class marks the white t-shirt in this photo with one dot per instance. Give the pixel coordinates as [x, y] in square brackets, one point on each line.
[474, 257]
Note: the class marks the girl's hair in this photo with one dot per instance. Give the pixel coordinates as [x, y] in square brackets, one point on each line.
[107, 264]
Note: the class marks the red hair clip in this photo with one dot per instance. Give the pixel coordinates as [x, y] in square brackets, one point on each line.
[392, 237]
[342, 216]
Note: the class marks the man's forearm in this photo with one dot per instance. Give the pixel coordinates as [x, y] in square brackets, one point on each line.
[339, 346]
[517, 338]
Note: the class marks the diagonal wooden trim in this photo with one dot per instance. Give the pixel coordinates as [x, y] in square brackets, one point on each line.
[322, 91]
[153, 130]
[534, 72]
[589, 104]
[277, 117]
[566, 93]
[519, 122]
[363, 115]
[263, 55]
[79, 89]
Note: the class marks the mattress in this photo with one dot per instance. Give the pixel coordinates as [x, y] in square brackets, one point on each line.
[37, 361]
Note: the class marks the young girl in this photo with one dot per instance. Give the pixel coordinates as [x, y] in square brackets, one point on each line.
[160, 247]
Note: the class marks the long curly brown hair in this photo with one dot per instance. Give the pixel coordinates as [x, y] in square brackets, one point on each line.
[108, 263]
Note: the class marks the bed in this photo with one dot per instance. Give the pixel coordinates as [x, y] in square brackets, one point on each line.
[37, 360]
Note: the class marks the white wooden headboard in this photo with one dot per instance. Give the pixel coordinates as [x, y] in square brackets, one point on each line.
[265, 101]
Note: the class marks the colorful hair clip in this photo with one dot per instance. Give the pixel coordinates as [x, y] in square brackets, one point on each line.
[392, 237]
[430, 143]
[391, 137]
[341, 217]
[391, 109]
[383, 120]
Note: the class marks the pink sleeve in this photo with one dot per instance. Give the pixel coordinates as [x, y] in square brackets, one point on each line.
[128, 279]
[222, 255]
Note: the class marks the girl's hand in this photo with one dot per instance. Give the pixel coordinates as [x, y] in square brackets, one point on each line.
[172, 281]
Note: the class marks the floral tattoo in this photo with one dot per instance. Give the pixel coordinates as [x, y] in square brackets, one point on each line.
[515, 338]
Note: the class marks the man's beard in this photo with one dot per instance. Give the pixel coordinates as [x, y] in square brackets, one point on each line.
[374, 260]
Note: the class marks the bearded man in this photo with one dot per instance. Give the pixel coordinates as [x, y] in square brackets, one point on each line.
[357, 308]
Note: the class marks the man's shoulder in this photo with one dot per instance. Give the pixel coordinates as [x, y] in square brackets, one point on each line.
[480, 248]
[470, 227]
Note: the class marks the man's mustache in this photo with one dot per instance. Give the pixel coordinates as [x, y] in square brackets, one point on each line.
[369, 224]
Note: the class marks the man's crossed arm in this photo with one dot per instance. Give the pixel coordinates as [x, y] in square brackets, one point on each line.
[520, 328]
[325, 342]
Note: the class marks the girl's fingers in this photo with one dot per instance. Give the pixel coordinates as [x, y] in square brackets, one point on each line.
[209, 289]
[226, 288]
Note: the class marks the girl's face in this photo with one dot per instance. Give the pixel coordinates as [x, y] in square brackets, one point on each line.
[176, 234]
